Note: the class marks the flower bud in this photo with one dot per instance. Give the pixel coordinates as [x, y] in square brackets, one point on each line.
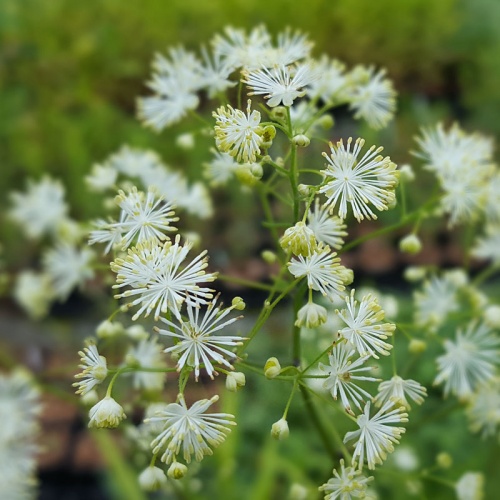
[492, 316]
[272, 368]
[301, 140]
[136, 332]
[278, 114]
[457, 277]
[152, 478]
[268, 135]
[269, 256]
[89, 398]
[177, 470]
[311, 315]
[444, 460]
[108, 329]
[415, 273]
[185, 141]
[298, 492]
[299, 239]
[107, 413]
[249, 173]
[238, 303]
[304, 190]
[406, 173]
[417, 346]
[234, 381]
[326, 121]
[279, 430]
[410, 244]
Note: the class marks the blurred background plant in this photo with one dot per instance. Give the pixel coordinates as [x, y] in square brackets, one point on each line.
[69, 77]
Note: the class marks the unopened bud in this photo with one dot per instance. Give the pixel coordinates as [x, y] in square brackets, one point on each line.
[444, 460]
[280, 430]
[298, 492]
[301, 140]
[152, 478]
[249, 173]
[415, 273]
[311, 315]
[406, 173]
[177, 470]
[304, 190]
[326, 121]
[417, 346]
[272, 368]
[108, 329]
[492, 316]
[269, 256]
[410, 244]
[238, 303]
[185, 141]
[136, 332]
[278, 114]
[234, 381]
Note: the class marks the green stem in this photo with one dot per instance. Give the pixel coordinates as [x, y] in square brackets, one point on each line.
[245, 282]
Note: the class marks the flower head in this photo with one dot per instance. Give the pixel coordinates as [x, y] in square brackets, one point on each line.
[191, 429]
[349, 484]
[488, 247]
[107, 413]
[483, 409]
[221, 169]
[237, 133]
[368, 181]
[311, 315]
[299, 239]
[397, 389]
[196, 342]
[94, 370]
[375, 437]
[34, 293]
[365, 330]
[333, 84]
[343, 373]
[323, 271]
[327, 229]
[148, 354]
[470, 486]
[155, 277]
[469, 360]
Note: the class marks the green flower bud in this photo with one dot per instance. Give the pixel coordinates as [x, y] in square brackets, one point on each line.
[280, 430]
[272, 368]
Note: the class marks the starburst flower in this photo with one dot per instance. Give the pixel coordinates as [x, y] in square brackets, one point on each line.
[94, 370]
[190, 429]
[365, 330]
[323, 271]
[483, 409]
[147, 354]
[396, 389]
[369, 181]
[196, 342]
[215, 74]
[327, 229]
[157, 280]
[142, 218]
[282, 84]
[237, 133]
[372, 97]
[469, 360]
[41, 209]
[333, 84]
[347, 485]
[101, 178]
[134, 162]
[221, 169]
[488, 247]
[34, 293]
[68, 267]
[343, 373]
[375, 437]
[435, 301]
[291, 47]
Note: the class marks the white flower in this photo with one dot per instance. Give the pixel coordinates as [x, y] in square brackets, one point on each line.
[375, 438]
[94, 370]
[33, 292]
[280, 430]
[469, 360]
[214, 74]
[191, 429]
[282, 84]
[101, 178]
[311, 315]
[68, 267]
[327, 229]
[470, 486]
[347, 485]
[237, 133]
[323, 270]
[299, 239]
[396, 390]
[365, 330]
[371, 180]
[332, 85]
[373, 97]
[195, 340]
[197, 201]
[134, 162]
[435, 301]
[343, 372]
[488, 247]
[40, 210]
[291, 47]
[152, 478]
[483, 409]
[238, 49]
[221, 169]
[142, 218]
[235, 380]
[147, 354]
[107, 413]
[157, 280]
